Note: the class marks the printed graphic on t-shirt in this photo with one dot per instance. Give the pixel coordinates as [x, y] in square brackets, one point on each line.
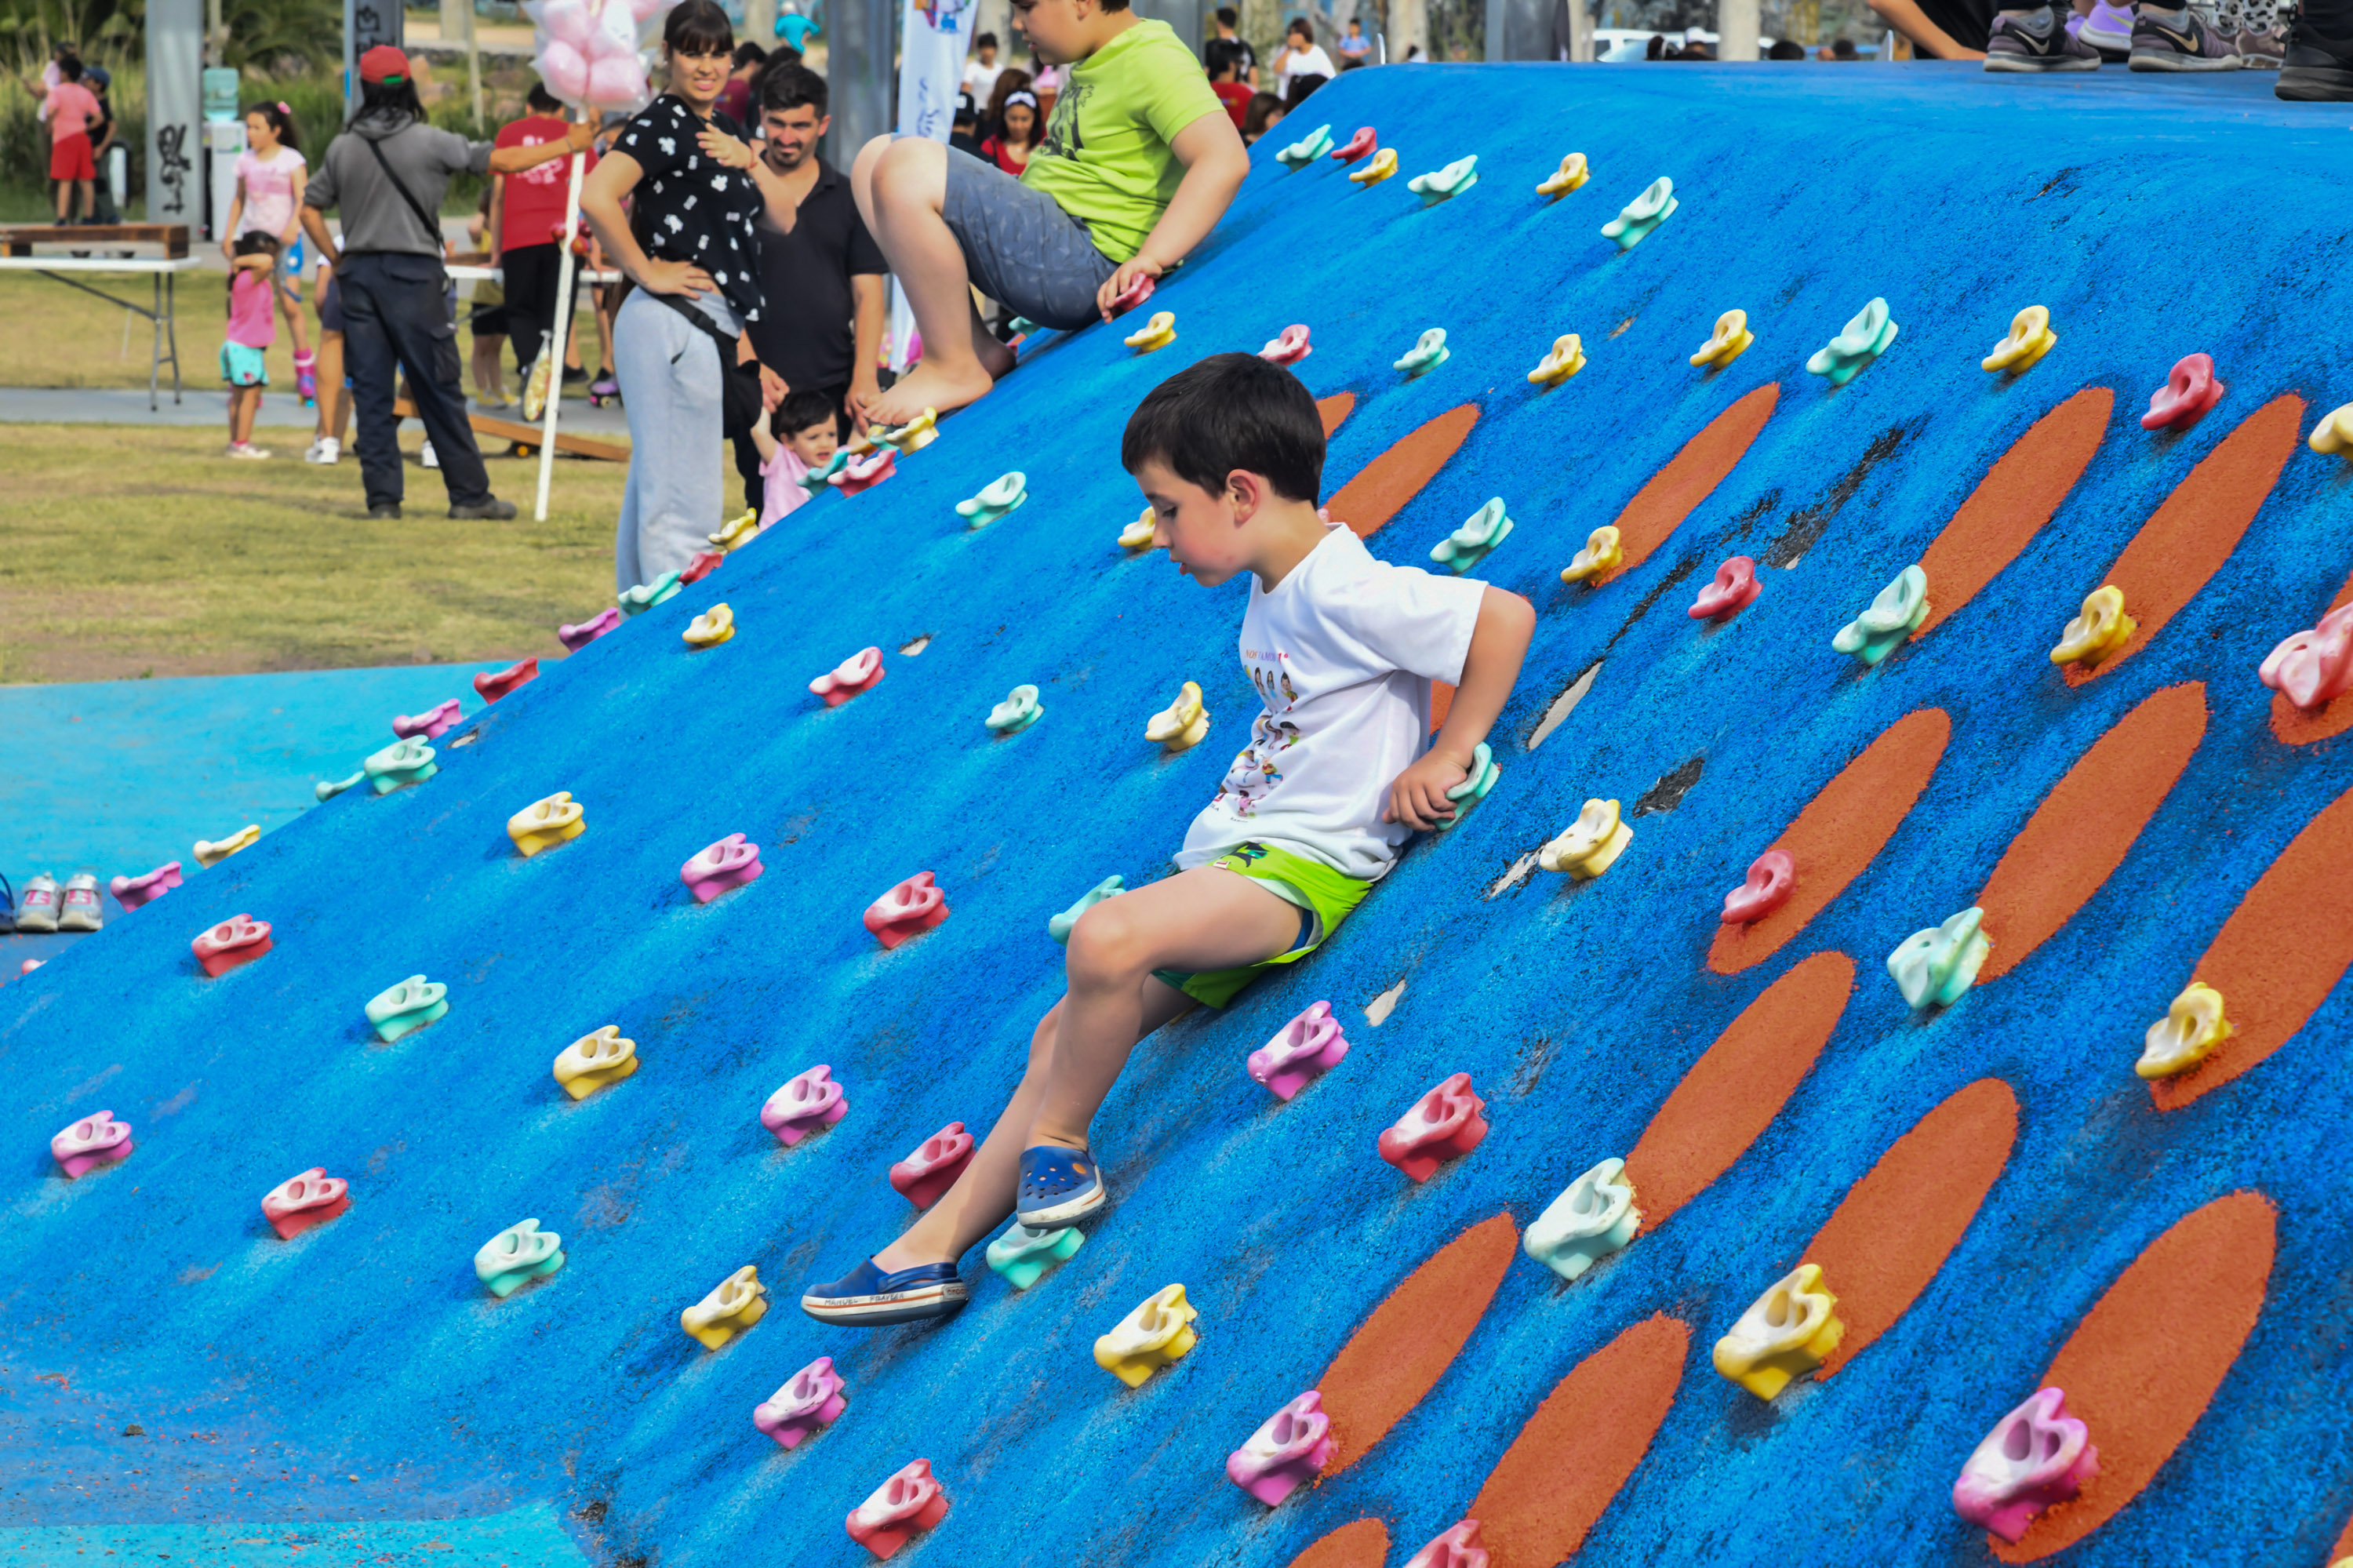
[1062, 125]
[1254, 772]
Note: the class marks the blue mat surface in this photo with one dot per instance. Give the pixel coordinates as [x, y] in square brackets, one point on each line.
[1960, 199]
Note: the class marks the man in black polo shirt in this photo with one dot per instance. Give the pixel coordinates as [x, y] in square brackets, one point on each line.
[822, 271]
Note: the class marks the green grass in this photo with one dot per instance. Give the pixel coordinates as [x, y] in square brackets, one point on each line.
[126, 552]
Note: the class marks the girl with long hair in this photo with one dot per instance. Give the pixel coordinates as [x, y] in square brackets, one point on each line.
[270, 172]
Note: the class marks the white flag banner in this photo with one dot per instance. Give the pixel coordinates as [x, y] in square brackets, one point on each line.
[931, 75]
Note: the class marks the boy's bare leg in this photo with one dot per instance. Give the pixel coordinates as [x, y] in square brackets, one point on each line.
[900, 186]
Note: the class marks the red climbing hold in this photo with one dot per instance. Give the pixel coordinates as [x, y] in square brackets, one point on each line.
[926, 1174]
[2314, 668]
[1457, 1548]
[704, 563]
[311, 1199]
[1134, 294]
[909, 1502]
[866, 473]
[492, 685]
[2187, 394]
[1735, 588]
[1771, 880]
[1355, 147]
[861, 671]
[1288, 347]
[915, 905]
[1445, 1124]
[240, 939]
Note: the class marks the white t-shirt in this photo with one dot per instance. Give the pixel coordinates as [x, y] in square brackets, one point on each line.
[1341, 653]
[1314, 62]
[980, 81]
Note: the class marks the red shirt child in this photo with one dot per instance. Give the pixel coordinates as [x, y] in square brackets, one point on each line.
[536, 198]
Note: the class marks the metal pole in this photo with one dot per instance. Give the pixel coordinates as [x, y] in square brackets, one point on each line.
[554, 345]
[1736, 25]
[473, 63]
[860, 36]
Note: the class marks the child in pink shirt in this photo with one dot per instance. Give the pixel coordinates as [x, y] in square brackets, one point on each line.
[812, 432]
[252, 328]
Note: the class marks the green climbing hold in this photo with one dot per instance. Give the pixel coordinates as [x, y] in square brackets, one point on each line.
[1018, 712]
[1644, 213]
[1023, 1256]
[1452, 180]
[1471, 543]
[1475, 784]
[1059, 927]
[1894, 616]
[996, 499]
[1307, 149]
[1865, 338]
[645, 596]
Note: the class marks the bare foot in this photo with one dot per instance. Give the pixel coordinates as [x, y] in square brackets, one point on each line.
[931, 384]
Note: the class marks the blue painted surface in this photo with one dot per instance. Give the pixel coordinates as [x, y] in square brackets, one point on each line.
[527, 1537]
[1577, 1008]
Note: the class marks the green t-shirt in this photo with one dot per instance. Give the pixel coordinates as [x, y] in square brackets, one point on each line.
[1105, 159]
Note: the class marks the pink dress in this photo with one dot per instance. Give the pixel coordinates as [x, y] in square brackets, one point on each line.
[783, 473]
[252, 323]
[271, 189]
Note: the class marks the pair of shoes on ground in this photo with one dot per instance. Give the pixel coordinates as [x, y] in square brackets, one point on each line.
[1059, 1187]
[43, 908]
[489, 509]
[324, 450]
[246, 450]
[2151, 39]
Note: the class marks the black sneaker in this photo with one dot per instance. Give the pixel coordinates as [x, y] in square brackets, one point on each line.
[2192, 46]
[2038, 44]
[490, 509]
[2314, 69]
[389, 509]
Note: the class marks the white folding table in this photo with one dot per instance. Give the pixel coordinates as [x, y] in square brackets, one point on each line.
[162, 272]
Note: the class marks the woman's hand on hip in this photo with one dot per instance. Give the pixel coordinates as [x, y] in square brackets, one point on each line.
[716, 144]
[674, 277]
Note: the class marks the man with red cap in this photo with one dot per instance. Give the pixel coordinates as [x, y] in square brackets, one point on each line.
[388, 173]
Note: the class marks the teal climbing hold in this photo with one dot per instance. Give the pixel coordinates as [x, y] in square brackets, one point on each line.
[1644, 213]
[994, 500]
[1865, 338]
[1471, 543]
[816, 479]
[399, 765]
[1933, 967]
[327, 789]
[1307, 149]
[517, 1255]
[407, 1008]
[1059, 927]
[1018, 712]
[645, 596]
[1429, 351]
[1894, 616]
[1452, 180]
[1023, 1256]
[1476, 782]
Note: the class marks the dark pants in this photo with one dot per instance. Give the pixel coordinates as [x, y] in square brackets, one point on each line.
[531, 276]
[747, 455]
[397, 316]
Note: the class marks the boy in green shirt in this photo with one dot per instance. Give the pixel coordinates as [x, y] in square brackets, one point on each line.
[1139, 163]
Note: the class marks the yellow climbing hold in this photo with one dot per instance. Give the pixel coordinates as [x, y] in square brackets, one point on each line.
[2030, 339]
[1592, 844]
[2335, 434]
[2100, 629]
[1785, 1334]
[1566, 359]
[1153, 1336]
[543, 824]
[595, 1061]
[1727, 342]
[1602, 554]
[1180, 726]
[1567, 178]
[245, 838]
[1137, 535]
[2192, 1026]
[740, 1301]
[736, 531]
[710, 629]
[912, 436]
[1383, 165]
[1158, 333]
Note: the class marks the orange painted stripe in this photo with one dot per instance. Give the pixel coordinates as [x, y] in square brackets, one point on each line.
[2145, 1361]
[1553, 1482]
[1441, 702]
[2084, 827]
[1660, 507]
[1335, 408]
[1839, 833]
[2186, 541]
[2344, 1547]
[1361, 1544]
[1384, 485]
[1895, 1227]
[2278, 956]
[2012, 502]
[2295, 727]
[1732, 1092]
[1401, 1350]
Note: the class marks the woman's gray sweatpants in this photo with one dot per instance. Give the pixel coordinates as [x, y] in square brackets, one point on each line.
[669, 371]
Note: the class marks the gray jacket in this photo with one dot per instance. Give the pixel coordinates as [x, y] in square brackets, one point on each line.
[375, 216]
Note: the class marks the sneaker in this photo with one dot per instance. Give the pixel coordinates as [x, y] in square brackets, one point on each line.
[428, 456]
[534, 390]
[574, 375]
[2185, 43]
[2109, 30]
[324, 450]
[1058, 1187]
[385, 510]
[2037, 43]
[246, 450]
[489, 509]
[38, 911]
[2261, 52]
[867, 1297]
[81, 911]
[2313, 71]
[603, 389]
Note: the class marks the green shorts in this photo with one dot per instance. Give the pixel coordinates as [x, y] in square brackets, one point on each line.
[1324, 897]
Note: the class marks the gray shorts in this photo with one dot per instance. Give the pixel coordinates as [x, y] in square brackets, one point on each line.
[1022, 249]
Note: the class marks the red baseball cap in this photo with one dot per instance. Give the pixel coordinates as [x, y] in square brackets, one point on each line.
[383, 63]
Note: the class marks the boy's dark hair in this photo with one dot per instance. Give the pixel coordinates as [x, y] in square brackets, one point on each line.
[540, 100]
[698, 27]
[789, 85]
[1301, 87]
[748, 53]
[392, 98]
[1231, 411]
[985, 41]
[70, 68]
[801, 409]
[1229, 15]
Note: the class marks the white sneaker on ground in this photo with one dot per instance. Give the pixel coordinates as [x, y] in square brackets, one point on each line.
[428, 456]
[82, 911]
[37, 909]
[246, 450]
[323, 449]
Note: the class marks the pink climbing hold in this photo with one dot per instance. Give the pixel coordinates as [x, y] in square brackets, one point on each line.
[808, 1104]
[492, 685]
[1445, 1124]
[240, 939]
[810, 1402]
[861, 671]
[431, 723]
[923, 1176]
[1134, 294]
[2036, 1456]
[1289, 348]
[28, 966]
[1736, 587]
[2312, 668]
[303, 1202]
[910, 1502]
[718, 868]
[914, 906]
[1355, 147]
[704, 563]
[866, 473]
[1285, 1454]
[1772, 878]
[576, 637]
[1457, 1548]
[1303, 1050]
[131, 892]
[2187, 394]
[92, 1142]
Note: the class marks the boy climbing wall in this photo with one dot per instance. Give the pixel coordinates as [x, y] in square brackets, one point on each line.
[1342, 650]
[1138, 165]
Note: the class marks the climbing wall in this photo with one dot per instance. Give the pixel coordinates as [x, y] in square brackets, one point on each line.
[1997, 1200]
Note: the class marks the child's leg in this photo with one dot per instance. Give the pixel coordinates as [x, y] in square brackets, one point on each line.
[900, 185]
[334, 399]
[290, 305]
[243, 404]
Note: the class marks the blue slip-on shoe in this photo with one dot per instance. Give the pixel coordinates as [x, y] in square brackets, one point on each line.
[1059, 1187]
[866, 1298]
